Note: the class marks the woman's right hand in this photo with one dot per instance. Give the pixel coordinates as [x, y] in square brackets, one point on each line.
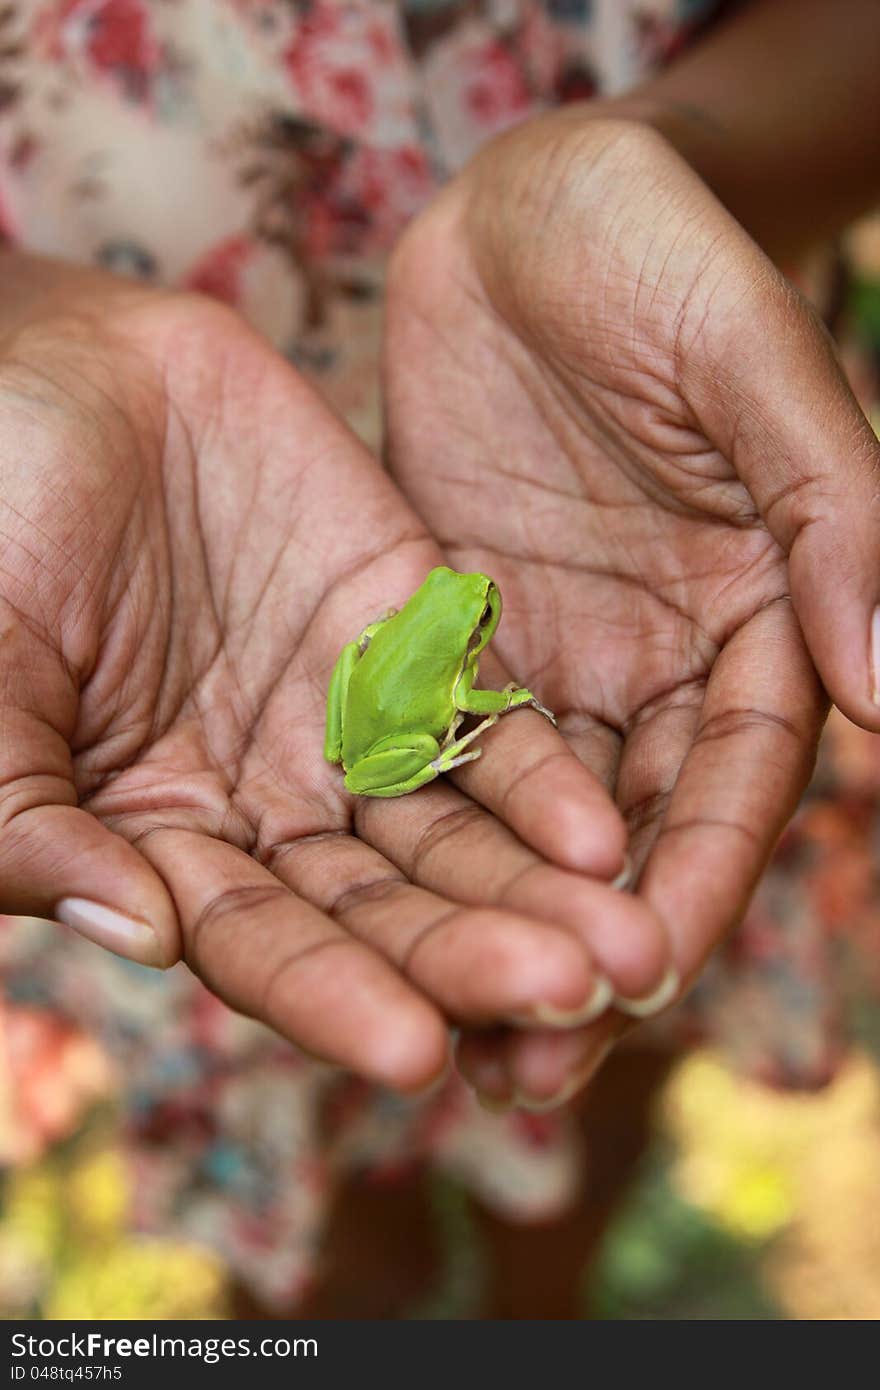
[675, 488]
[189, 538]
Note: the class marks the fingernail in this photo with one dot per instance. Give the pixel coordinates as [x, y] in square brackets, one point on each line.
[488, 1077]
[624, 878]
[549, 1016]
[493, 1104]
[126, 936]
[432, 1087]
[651, 1003]
[523, 1101]
[875, 655]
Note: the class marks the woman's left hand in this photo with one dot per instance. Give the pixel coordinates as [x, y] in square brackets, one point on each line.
[189, 538]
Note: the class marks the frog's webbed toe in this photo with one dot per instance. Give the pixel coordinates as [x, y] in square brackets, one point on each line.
[542, 709]
[526, 698]
[453, 754]
[452, 730]
[445, 763]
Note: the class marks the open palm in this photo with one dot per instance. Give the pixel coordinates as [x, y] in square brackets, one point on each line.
[599, 390]
[189, 539]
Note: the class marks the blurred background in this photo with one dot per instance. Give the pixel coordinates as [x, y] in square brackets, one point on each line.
[730, 1166]
[745, 1203]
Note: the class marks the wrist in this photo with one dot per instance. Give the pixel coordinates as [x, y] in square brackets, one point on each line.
[722, 153]
[778, 111]
[697, 134]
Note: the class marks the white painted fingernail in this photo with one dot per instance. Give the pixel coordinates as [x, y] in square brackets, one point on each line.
[549, 1016]
[522, 1101]
[624, 878]
[875, 656]
[125, 936]
[654, 1003]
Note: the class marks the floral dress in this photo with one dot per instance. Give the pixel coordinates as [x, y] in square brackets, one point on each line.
[268, 153]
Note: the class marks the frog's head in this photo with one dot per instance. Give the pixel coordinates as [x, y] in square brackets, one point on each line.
[476, 603]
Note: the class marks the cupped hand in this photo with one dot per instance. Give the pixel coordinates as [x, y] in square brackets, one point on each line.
[189, 538]
[602, 392]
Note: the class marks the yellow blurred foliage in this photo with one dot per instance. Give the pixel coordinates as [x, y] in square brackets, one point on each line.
[64, 1244]
[97, 1195]
[32, 1214]
[797, 1176]
[140, 1279]
[804, 1167]
[30, 1233]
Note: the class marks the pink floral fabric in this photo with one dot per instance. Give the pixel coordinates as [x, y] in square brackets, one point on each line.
[269, 152]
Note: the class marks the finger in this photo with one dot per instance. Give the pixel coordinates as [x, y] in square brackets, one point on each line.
[481, 1060]
[751, 758]
[56, 860]
[703, 825]
[281, 960]
[764, 380]
[533, 781]
[440, 837]
[537, 1071]
[478, 964]
[595, 744]
[657, 743]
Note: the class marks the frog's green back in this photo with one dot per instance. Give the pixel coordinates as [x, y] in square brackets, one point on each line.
[405, 679]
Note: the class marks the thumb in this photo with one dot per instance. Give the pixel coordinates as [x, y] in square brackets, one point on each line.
[58, 862]
[767, 387]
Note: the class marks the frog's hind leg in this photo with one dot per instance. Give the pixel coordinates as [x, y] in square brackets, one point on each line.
[402, 763]
[394, 766]
[346, 662]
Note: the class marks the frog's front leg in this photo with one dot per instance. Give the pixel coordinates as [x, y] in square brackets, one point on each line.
[495, 702]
